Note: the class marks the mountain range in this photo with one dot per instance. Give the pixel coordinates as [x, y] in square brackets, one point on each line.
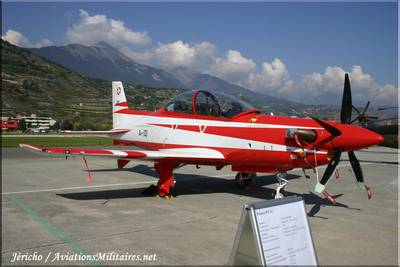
[201, 81]
[105, 62]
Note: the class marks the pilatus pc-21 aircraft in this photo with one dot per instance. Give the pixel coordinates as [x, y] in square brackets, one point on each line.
[205, 128]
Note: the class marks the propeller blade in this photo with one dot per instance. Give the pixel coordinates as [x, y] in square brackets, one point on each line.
[345, 113]
[331, 167]
[320, 186]
[362, 117]
[355, 119]
[356, 109]
[355, 164]
[331, 129]
[373, 117]
[366, 107]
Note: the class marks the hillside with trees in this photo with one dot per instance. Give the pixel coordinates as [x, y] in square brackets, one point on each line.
[34, 85]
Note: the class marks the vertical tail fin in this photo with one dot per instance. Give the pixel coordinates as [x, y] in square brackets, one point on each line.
[118, 103]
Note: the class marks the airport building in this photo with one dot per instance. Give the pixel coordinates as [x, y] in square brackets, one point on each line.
[37, 124]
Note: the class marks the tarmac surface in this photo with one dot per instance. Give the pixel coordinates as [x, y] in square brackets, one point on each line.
[49, 208]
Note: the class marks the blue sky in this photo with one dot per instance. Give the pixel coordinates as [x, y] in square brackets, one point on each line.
[307, 38]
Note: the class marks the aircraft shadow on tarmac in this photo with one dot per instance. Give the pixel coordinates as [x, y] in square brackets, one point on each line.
[191, 184]
[141, 168]
[375, 161]
[378, 152]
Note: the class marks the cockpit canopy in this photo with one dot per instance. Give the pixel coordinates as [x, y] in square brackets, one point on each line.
[208, 104]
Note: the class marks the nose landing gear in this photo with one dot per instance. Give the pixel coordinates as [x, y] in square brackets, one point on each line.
[282, 182]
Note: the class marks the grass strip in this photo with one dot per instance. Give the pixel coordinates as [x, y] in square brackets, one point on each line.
[7, 141]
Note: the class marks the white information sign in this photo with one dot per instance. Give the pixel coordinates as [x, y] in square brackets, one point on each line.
[285, 236]
[274, 232]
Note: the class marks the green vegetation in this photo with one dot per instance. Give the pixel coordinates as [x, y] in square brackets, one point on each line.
[67, 125]
[33, 84]
[22, 125]
[14, 141]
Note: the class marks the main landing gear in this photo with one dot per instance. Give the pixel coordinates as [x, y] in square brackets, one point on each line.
[282, 182]
[243, 179]
[164, 171]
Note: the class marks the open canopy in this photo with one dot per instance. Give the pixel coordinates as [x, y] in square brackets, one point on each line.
[208, 104]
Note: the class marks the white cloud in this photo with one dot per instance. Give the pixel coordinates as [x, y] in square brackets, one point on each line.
[315, 88]
[43, 42]
[18, 39]
[233, 67]
[145, 57]
[273, 79]
[178, 53]
[93, 29]
[327, 87]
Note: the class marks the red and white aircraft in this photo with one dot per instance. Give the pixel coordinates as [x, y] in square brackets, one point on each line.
[203, 128]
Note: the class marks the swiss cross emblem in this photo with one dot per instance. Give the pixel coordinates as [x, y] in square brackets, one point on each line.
[118, 90]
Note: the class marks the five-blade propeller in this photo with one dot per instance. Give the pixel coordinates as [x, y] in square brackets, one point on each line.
[362, 117]
[345, 117]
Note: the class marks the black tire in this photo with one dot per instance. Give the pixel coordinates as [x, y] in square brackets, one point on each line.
[243, 179]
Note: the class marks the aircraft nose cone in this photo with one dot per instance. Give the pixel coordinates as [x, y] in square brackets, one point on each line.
[369, 138]
[375, 138]
[354, 138]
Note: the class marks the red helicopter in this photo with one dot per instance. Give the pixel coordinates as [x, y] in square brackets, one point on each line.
[210, 128]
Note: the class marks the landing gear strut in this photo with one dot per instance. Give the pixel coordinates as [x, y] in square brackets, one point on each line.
[282, 182]
[243, 179]
[164, 170]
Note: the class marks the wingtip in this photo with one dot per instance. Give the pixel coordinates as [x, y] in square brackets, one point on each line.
[25, 146]
[31, 147]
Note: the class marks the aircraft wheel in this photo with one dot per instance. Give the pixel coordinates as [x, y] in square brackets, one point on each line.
[243, 179]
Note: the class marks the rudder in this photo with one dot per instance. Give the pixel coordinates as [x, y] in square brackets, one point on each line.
[118, 103]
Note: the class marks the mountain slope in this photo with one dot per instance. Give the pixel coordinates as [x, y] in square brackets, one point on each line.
[195, 80]
[266, 103]
[32, 84]
[105, 62]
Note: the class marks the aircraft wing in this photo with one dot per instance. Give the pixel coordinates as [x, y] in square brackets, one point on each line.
[172, 153]
[109, 132]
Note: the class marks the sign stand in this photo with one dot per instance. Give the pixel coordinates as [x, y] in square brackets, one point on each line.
[274, 232]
